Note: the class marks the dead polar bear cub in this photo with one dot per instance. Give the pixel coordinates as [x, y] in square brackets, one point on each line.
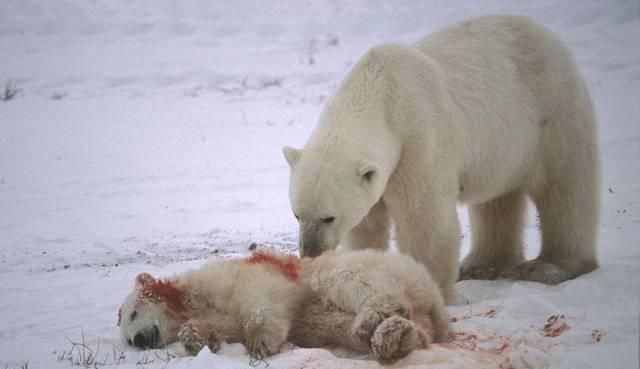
[485, 112]
[368, 301]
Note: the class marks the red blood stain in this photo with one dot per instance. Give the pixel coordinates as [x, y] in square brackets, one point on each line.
[555, 326]
[471, 342]
[597, 335]
[491, 313]
[158, 291]
[288, 265]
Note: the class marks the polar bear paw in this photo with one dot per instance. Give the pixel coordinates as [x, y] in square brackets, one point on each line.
[394, 338]
[537, 271]
[482, 272]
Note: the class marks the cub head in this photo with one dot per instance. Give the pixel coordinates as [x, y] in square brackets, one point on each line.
[329, 196]
[152, 313]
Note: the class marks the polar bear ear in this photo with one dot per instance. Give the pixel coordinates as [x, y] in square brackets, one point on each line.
[292, 155]
[367, 171]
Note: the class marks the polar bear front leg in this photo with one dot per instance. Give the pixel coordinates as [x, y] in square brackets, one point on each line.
[427, 228]
[496, 236]
[372, 232]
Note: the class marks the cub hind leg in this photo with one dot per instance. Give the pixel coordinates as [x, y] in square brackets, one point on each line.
[351, 286]
[320, 325]
[396, 336]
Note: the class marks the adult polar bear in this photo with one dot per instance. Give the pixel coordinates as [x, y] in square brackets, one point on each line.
[485, 112]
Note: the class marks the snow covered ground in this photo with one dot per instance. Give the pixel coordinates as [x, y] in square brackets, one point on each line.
[147, 135]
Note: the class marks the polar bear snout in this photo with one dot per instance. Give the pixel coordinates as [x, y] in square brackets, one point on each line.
[310, 251]
[148, 337]
[309, 244]
[316, 237]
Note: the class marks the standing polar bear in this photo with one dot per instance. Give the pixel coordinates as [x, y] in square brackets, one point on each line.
[486, 112]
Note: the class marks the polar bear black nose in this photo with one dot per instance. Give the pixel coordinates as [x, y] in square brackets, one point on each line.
[140, 341]
[309, 244]
[311, 251]
[147, 338]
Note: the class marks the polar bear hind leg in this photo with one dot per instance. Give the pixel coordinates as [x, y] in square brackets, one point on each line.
[568, 221]
[568, 203]
[562, 175]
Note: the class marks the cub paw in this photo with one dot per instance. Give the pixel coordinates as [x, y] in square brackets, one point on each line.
[395, 338]
[264, 336]
[192, 335]
[191, 338]
[369, 318]
[259, 348]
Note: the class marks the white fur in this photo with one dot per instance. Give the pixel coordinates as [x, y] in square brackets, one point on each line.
[486, 112]
[384, 304]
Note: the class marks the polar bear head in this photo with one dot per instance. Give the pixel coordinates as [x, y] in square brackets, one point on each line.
[152, 313]
[330, 194]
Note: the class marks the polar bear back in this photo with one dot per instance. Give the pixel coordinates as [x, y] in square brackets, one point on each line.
[509, 78]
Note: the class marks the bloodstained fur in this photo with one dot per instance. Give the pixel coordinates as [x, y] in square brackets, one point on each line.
[158, 291]
[289, 266]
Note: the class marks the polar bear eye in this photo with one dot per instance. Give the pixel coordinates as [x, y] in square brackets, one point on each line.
[328, 220]
[297, 217]
[134, 315]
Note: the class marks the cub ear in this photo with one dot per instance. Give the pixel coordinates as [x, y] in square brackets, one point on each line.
[292, 155]
[144, 280]
[367, 170]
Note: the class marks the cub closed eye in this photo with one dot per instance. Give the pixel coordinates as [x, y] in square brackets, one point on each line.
[297, 217]
[328, 220]
[134, 315]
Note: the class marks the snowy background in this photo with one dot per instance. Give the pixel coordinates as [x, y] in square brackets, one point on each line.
[147, 135]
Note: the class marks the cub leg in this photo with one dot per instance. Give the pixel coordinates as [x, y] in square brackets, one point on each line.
[395, 337]
[368, 295]
[318, 324]
[265, 327]
[496, 228]
[195, 334]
